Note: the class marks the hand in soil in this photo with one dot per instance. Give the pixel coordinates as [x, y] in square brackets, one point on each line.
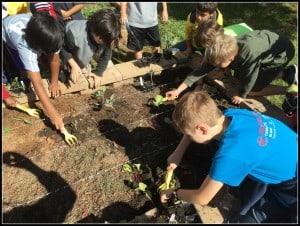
[30, 111]
[169, 183]
[69, 138]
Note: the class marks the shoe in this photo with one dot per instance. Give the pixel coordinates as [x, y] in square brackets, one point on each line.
[291, 74]
[155, 58]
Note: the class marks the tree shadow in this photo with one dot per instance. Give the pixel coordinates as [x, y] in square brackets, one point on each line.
[117, 212]
[143, 143]
[53, 207]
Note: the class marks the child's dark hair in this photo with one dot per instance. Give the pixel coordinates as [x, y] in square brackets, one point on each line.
[105, 23]
[43, 33]
[208, 7]
[206, 32]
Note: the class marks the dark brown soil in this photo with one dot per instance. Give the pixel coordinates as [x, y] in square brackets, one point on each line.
[45, 180]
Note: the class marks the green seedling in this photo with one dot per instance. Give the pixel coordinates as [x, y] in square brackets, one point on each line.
[138, 177]
[143, 188]
[22, 119]
[109, 101]
[168, 120]
[99, 94]
[6, 130]
[158, 100]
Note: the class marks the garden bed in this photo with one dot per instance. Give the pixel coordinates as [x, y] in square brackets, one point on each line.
[45, 180]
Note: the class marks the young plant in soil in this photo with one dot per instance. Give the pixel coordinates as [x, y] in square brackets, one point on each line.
[22, 119]
[139, 179]
[99, 94]
[157, 100]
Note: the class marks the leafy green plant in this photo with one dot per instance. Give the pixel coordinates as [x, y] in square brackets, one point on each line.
[138, 178]
[100, 92]
[16, 85]
[158, 100]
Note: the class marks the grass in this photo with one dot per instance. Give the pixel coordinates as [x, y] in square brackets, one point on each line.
[278, 17]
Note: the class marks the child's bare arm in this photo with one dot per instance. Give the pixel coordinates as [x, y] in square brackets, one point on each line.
[164, 15]
[54, 88]
[75, 70]
[67, 14]
[175, 158]
[202, 196]
[123, 17]
[54, 116]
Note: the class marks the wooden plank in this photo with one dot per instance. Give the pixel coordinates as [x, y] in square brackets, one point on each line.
[81, 84]
[130, 69]
[111, 75]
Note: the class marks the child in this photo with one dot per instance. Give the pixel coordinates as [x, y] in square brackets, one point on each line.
[204, 11]
[68, 11]
[63, 12]
[255, 151]
[83, 38]
[27, 37]
[37, 7]
[206, 33]
[141, 19]
[256, 58]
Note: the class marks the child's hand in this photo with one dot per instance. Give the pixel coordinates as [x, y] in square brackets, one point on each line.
[237, 100]
[65, 15]
[173, 161]
[165, 195]
[95, 79]
[164, 16]
[30, 111]
[56, 120]
[75, 73]
[172, 95]
[188, 52]
[54, 89]
[123, 19]
[69, 138]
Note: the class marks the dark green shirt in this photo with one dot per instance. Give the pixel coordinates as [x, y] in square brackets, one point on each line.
[258, 50]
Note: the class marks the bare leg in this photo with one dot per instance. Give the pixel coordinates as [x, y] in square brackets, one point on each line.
[269, 91]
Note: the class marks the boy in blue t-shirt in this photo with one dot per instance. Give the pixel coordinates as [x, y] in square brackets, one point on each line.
[256, 152]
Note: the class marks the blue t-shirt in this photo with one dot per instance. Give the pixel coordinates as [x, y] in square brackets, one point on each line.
[255, 145]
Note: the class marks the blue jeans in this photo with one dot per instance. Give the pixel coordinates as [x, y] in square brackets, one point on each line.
[263, 203]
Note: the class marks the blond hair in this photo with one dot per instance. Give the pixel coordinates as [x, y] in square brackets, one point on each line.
[206, 33]
[221, 49]
[194, 108]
